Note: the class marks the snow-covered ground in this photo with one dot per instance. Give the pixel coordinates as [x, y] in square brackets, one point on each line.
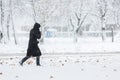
[62, 67]
[62, 59]
[64, 46]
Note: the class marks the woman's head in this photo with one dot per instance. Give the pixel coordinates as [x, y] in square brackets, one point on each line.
[37, 25]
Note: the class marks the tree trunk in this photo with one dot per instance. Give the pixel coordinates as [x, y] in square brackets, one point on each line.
[75, 37]
[112, 35]
[42, 32]
[2, 20]
[13, 27]
[103, 29]
[34, 15]
[8, 31]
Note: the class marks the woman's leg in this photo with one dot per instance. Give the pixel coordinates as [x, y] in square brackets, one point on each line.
[24, 59]
[38, 60]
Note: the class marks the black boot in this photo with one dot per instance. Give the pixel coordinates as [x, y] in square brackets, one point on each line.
[38, 61]
[23, 60]
[21, 63]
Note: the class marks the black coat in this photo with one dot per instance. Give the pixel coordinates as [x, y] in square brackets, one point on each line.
[33, 49]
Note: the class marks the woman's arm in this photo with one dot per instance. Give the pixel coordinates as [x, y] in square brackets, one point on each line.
[38, 34]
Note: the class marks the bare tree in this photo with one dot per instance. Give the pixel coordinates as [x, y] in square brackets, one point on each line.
[13, 27]
[80, 18]
[8, 20]
[116, 11]
[33, 6]
[2, 20]
[102, 9]
[8, 26]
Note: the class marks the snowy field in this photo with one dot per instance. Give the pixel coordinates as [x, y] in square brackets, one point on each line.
[62, 59]
[62, 67]
[64, 46]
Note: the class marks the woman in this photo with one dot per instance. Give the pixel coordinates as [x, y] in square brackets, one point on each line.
[33, 49]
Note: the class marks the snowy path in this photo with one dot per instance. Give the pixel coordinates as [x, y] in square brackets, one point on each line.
[62, 53]
[62, 67]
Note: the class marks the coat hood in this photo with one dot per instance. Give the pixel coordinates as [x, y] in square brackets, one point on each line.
[37, 25]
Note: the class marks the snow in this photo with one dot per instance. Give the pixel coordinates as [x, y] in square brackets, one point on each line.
[62, 67]
[67, 45]
[63, 59]
[64, 46]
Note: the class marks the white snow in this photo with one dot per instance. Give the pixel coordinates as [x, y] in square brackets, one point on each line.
[62, 59]
[64, 46]
[62, 67]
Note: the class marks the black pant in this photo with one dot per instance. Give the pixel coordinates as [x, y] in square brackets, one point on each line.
[27, 57]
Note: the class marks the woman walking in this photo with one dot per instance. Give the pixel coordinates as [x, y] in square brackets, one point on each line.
[33, 49]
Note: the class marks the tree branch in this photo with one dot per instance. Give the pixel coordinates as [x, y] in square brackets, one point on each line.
[81, 22]
[78, 19]
[72, 24]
